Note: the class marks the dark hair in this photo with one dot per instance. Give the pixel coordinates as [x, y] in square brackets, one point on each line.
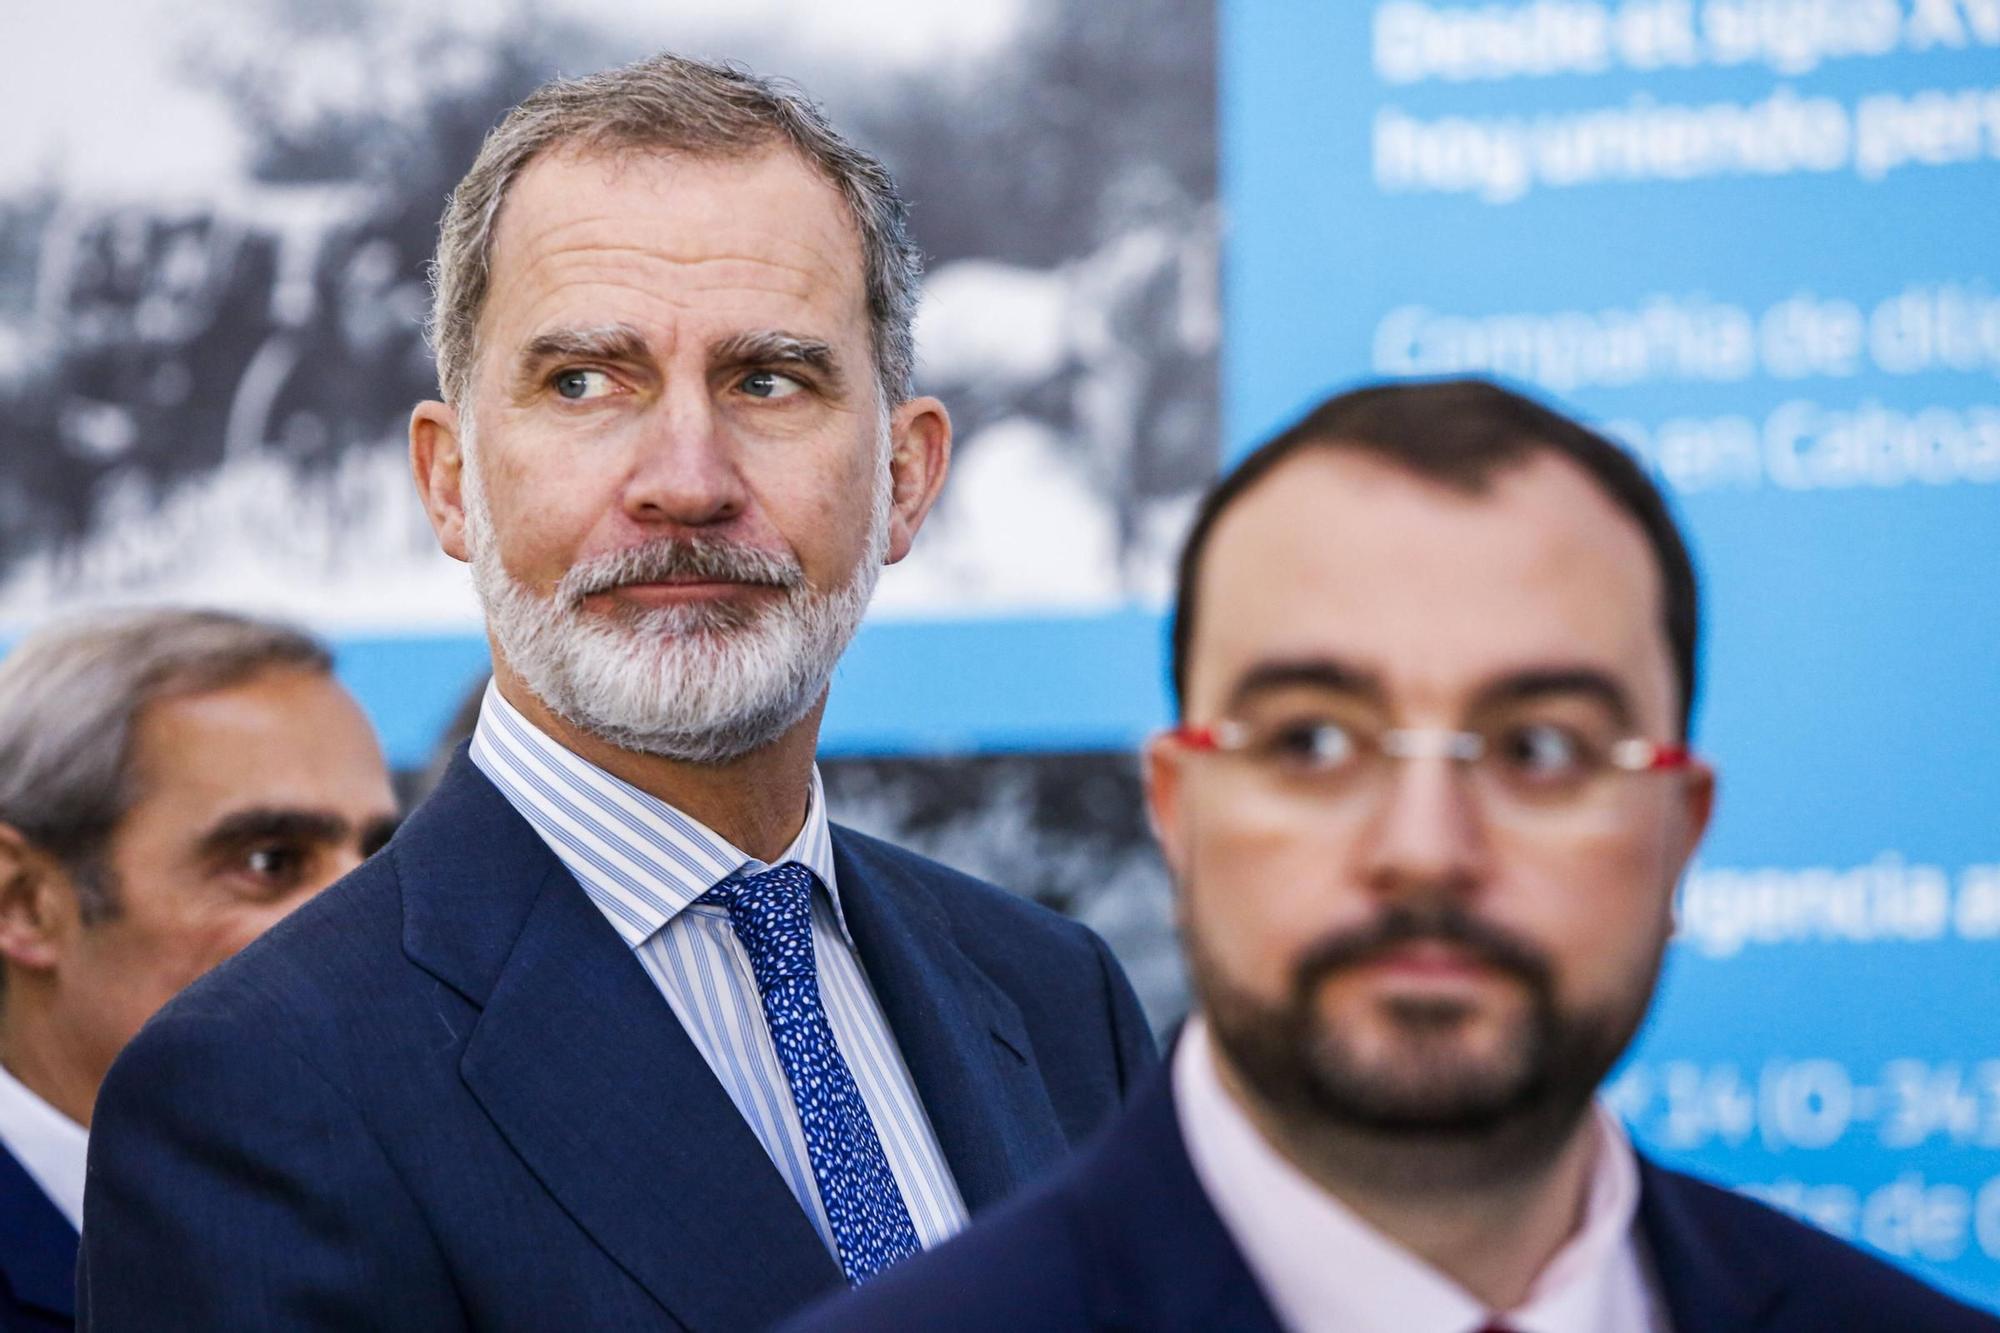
[1458, 433]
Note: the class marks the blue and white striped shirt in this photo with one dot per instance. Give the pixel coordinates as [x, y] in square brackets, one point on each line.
[644, 864]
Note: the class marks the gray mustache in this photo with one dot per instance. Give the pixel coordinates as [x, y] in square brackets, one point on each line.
[679, 558]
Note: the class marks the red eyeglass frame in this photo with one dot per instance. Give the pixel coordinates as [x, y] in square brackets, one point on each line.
[1633, 754]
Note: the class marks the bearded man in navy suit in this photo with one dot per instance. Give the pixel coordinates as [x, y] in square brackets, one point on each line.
[1435, 652]
[619, 1033]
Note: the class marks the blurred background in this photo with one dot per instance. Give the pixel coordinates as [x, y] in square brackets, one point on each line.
[1754, 239]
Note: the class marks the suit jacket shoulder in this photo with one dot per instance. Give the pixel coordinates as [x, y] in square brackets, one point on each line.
[446, 1092]
[37, 1254]
[1023, 947]
[1125, 1238]
[1728, 1262]
[313, 985]
[239, 1133]
[966, 898]
[1122, 1238]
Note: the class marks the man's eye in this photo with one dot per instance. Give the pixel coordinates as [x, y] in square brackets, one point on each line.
[1543, 752]
[769, 384]
[275, 863]
[579, 385]
[1318, 745]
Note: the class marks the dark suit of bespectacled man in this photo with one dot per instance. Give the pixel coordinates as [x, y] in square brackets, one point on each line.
[1425, 809]
[619, 1032]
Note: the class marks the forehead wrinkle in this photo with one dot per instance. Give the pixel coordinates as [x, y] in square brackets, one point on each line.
[807, 272]
[583, 292]
[660, 240]
[558, 229]
[679, 184]
[558, 290]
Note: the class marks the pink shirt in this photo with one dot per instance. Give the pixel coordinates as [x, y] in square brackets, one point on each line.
[1323, 1268]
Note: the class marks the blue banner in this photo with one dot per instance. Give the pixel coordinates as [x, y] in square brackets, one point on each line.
[1757, 242]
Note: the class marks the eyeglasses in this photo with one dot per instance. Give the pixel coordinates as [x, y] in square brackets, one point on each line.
[1520, 768]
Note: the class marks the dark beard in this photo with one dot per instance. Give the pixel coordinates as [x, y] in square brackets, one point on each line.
[1429, 1114]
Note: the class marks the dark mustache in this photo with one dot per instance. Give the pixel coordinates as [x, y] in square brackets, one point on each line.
[664, 558]
[1408, 923]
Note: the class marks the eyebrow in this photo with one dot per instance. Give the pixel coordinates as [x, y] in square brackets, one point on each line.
[272, 823]
[774, 347]
[1544, 682]
[1318, 672]
[624, 343]
[1516, 688]
[599, 342]
[375, 834]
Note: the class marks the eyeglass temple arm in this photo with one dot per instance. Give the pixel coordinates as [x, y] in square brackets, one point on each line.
[1639, 755]
[1215, 736]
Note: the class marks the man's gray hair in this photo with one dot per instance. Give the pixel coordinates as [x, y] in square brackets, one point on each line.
[70, 698]
[675, 105]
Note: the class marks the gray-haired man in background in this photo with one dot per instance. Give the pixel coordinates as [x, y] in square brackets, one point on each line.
[171, 783]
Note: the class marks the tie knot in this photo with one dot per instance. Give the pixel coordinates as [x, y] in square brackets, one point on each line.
[772, 914]
[790, 884]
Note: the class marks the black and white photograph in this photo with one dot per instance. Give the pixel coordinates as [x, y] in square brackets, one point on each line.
[211, 315]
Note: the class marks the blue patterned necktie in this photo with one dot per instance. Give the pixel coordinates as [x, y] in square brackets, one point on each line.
[772, 916]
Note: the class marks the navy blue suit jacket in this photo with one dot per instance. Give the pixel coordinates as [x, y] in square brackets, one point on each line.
[1124, 1238]
[37, 1256]
[444, 1094]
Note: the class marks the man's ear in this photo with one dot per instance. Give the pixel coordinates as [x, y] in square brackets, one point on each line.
[1698, 806]
[38, 908]
[437, 460]
[1162, 765]
[919, 457]
[1696, 794]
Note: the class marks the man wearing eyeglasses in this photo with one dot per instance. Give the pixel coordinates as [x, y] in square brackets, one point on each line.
[1435, 657]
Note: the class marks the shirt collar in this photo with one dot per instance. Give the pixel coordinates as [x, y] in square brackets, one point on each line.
[1324, 1268]
[641, 860]
[50, 1146]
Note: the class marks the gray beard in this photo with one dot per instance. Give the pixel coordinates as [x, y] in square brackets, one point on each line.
[703, 683]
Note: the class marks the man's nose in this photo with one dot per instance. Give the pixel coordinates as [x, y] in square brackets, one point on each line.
[684, 470]
[1425, 832]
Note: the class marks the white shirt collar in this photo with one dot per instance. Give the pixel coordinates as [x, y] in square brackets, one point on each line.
[641, 860]
[1323, 1268]
[50, 1146]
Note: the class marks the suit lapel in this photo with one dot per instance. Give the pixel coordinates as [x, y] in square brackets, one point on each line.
[1705, 1285]
[584, 1070]
[1158, 1256]
[37, 1244]
[962, 1038]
